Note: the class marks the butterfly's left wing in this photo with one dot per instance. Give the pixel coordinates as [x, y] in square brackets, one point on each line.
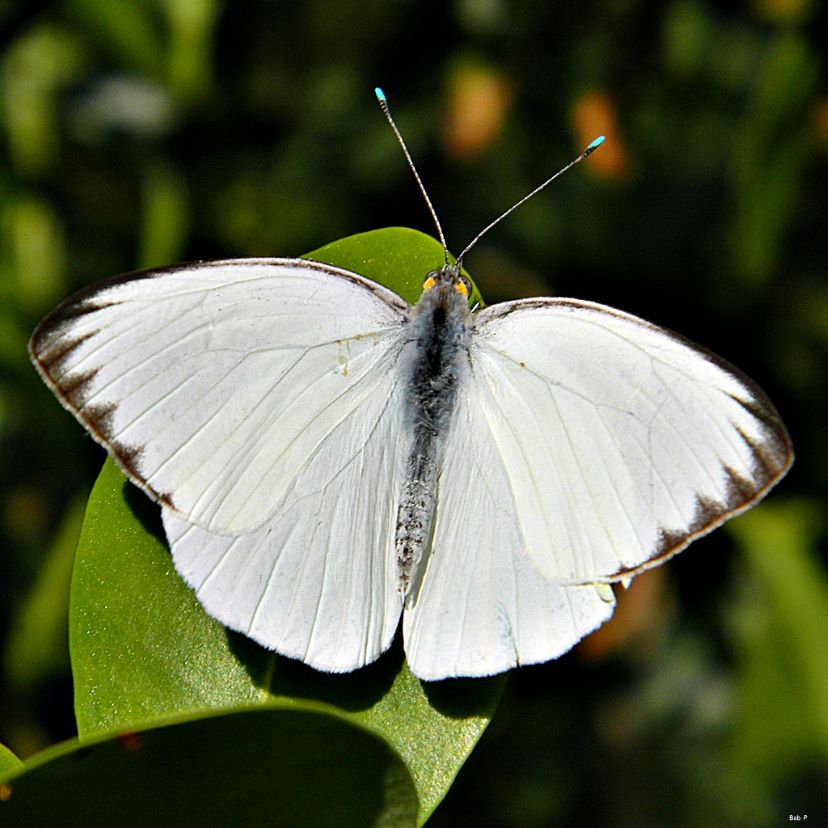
[586, 446]
[621, 442]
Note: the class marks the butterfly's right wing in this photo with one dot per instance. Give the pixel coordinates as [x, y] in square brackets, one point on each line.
[259, 402]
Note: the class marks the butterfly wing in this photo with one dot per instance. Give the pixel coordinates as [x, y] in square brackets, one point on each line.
[212, 384]
[621, 442]
[481, 606]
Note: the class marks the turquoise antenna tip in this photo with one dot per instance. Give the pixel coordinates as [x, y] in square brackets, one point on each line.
[596, 143]
[380, 94]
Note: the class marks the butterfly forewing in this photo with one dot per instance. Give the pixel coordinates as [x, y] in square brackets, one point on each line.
[212, 384]
[620, 441]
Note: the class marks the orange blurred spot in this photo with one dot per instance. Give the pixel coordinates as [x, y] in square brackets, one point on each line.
[640, 611]
[25, 513]
[782, 11]
[593, 115]
[5, 793]
[478, 99]
[130, 742]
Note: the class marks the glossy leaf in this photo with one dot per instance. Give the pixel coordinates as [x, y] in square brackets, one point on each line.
[9, 763]
[265, 767]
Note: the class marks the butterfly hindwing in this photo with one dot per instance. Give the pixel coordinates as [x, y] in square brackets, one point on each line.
[482, 606]
[318, 581]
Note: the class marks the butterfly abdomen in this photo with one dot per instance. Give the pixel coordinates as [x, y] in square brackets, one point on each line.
[435, 360]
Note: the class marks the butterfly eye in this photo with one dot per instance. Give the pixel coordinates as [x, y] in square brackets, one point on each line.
[463, 286]
[431, 280]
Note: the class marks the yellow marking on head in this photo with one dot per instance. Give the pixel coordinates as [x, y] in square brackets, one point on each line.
[429, 283]
[462, 288]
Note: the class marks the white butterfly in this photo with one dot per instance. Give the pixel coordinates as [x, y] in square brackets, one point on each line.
[329, 458]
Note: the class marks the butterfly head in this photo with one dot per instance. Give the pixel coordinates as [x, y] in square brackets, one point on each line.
[448, 278]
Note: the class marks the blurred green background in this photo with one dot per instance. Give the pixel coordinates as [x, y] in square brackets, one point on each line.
[139, 132]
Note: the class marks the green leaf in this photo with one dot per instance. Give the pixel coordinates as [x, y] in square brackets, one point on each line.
[396, 257]
[143, 649]
[9, 764]
[266, 767]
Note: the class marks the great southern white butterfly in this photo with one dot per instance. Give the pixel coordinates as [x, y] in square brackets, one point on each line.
[328, 457]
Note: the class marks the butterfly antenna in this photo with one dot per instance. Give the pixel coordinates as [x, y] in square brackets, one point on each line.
[591, 148]
[385, 111]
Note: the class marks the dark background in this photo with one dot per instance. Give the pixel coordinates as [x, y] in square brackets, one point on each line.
[136, 133]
